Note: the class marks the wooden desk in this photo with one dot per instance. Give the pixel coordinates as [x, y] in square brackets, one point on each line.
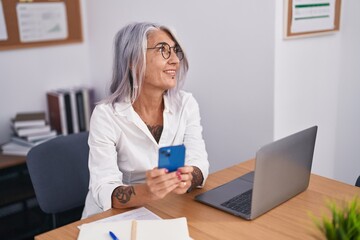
[288, 221]
[7, 161]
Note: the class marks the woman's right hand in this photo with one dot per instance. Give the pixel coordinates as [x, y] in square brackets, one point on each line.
[159, 182]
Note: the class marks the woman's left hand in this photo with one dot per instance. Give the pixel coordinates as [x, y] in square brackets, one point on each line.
[185, 175]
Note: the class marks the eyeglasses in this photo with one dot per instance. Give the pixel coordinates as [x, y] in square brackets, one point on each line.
[165, 50]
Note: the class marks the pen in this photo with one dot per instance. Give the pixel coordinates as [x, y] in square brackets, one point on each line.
[113, 236]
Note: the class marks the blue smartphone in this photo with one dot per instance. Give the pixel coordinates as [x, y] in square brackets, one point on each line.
[172, 157]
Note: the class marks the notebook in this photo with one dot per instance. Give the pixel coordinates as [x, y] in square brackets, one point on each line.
[175, 229]
[282, 170]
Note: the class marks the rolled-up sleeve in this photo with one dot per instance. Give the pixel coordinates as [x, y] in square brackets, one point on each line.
[104, 172]
[196, 154]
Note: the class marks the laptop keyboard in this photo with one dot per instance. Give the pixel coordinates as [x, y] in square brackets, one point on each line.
[240, 203]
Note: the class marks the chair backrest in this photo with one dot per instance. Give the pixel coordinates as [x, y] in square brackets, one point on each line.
[59, 172]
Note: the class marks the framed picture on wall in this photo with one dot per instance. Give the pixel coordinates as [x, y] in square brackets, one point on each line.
[305, 18]
[36, 23]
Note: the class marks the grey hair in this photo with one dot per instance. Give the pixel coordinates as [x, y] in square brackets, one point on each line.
[130, 62]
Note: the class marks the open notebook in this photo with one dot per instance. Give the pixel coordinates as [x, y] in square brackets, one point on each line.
[164, 229]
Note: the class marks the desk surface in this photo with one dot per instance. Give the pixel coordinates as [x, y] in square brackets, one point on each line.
[290, 220]
[7, 161]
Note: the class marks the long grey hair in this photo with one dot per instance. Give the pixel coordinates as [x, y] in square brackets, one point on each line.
[130, 62]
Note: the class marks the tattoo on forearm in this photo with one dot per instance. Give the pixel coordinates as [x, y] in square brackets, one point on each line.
[197, 180]
[124, 193]
[156, 131]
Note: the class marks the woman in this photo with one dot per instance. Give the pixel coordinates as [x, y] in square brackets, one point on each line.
[145, 110]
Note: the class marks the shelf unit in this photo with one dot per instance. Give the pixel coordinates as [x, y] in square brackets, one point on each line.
[16, 190]
[18, 220]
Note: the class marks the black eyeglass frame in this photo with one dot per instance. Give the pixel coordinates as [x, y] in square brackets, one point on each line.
[176, 49]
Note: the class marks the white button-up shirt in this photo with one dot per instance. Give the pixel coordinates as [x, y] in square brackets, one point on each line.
[122, 148]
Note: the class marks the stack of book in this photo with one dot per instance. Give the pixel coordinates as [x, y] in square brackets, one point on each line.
[70, 109]
[30, 129]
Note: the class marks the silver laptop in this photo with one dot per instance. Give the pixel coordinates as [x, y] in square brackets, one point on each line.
[282, 170]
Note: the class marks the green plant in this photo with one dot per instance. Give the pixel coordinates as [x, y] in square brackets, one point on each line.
[344, 223]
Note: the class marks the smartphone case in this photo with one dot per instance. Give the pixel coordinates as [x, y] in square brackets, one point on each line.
[172, 157]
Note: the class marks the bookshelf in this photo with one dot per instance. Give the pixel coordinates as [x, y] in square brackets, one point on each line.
[16, 190]
[15, 182]
[16, 195]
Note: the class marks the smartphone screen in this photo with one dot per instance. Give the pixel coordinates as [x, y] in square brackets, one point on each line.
[172, 157]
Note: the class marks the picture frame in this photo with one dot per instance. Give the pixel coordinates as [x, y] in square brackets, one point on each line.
[37, 23]
[305, 18]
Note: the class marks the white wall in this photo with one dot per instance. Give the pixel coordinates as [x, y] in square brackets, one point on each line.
[347, 139]
[27, 74]
[317, 83]
[231, 50]
[250, 83]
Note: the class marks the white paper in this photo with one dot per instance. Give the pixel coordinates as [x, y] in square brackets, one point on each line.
[174, 229]
[42, 21]
[100, 231]
[136, 214]
[3, 31]
[312, 15]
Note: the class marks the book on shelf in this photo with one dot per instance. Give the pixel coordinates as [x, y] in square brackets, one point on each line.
[68, 112]
[57, 117]
[29, 119]
[41, 136]
[70, 109]
[74, 111]
[13, 148]
[30, 134]
[80, 110]
[89, 104]
[32, 131]
[35, 139]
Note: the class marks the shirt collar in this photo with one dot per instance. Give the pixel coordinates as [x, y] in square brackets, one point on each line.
[168, 108]
[124, 107]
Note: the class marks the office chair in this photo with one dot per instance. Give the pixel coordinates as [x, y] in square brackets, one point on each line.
[358, 182]
[59, 173]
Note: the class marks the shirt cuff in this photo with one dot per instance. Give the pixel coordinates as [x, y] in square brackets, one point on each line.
[105, 196]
